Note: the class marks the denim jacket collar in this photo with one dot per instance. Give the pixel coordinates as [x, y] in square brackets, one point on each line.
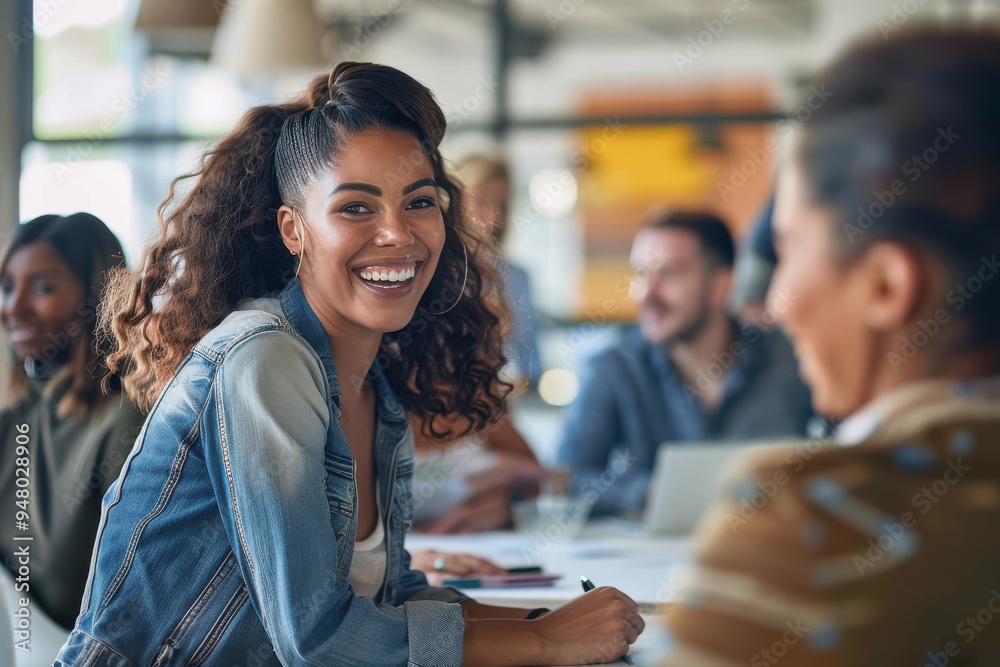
[303, 319]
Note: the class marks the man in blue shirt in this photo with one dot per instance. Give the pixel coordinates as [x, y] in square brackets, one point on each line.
[687, 373]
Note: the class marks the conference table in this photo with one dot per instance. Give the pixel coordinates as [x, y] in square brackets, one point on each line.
[611, 552]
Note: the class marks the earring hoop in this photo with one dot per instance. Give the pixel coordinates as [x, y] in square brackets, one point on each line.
[299, 232]
[465, 278]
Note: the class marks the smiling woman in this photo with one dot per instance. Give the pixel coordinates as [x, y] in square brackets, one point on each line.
[64, 440]
[330, 224]
[316, 285]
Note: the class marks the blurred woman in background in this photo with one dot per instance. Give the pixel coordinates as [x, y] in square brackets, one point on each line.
[486, 179]
[64, 439]
[883, 551]
[467, 485]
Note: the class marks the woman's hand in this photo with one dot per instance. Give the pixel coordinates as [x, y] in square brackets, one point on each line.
[489, 511]
[455, 566]
[490, 492]
[596, 627]
[507, 473]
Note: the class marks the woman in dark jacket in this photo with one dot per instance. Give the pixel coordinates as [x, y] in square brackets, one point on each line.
[64, 438]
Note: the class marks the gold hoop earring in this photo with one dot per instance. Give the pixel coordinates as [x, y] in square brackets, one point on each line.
[465, 278]
[300, 232]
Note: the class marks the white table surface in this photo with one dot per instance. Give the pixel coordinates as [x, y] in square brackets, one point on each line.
[610, 553]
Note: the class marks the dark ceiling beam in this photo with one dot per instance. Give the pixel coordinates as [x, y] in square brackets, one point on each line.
[513, 125]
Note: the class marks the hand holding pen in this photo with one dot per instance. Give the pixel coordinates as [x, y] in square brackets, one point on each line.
[588, 586]
[594, 628]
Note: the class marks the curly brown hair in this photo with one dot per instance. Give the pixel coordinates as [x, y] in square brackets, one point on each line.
[220, 244]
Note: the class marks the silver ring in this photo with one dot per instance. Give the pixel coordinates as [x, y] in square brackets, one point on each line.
[440, 564]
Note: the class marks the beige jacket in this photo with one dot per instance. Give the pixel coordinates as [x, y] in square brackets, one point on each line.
[877, 553]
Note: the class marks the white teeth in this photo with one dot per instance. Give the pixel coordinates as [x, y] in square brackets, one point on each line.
[393, 276]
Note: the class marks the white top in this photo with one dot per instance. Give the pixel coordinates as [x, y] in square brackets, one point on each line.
[369, 563]
[866, 421]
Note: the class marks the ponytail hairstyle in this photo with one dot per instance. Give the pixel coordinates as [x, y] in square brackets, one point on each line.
[220, 244]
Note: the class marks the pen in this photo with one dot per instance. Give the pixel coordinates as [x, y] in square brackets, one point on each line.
[588, 586]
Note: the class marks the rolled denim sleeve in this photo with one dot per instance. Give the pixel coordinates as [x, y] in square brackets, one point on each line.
[269, 478]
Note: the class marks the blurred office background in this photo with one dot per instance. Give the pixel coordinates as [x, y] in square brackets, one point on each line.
[604, 108]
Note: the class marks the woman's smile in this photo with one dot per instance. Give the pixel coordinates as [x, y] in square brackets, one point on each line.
[389, 278]
[371, 238]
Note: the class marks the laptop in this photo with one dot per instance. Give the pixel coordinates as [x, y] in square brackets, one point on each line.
[685, 482]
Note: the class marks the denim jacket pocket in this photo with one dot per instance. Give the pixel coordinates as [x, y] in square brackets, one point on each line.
[403, 493]
[339, 485]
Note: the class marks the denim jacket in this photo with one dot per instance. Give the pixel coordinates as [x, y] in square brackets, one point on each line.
[228, 538]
